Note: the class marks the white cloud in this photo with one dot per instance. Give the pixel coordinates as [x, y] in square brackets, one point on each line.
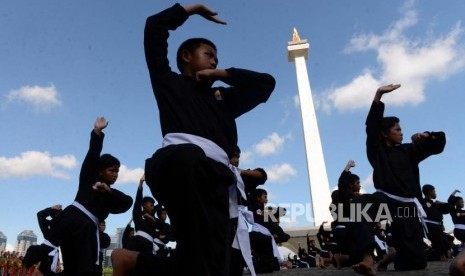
[270, 145]
[34, 163]
[367, 185]
[401, 59]
[296, 100]
[280, 173]
[127, 175]
[246, 158]
[41, 98]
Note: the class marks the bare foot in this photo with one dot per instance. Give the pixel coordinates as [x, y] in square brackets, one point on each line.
[364, 269]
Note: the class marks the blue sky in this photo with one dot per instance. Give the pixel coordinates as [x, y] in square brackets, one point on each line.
[63, 63]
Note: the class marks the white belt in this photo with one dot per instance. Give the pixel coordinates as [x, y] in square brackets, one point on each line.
[54, 253]
[381, 244]
[262, 229]
[421, 211]
[241, 240]
[459, 226]
[215, 152]
[95, 221]
[150, 239]
[433, 222]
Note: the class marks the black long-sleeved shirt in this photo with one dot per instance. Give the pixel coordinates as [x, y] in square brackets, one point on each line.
[457, 214]
[100, 204]
[185, 105]
[44, 224]
[140, 223]
[345, 195]
[434, 211]
[395, 169]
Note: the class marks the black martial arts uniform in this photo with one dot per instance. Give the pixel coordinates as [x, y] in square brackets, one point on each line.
[434, 212]
[140, 242]
[36, 253]
[192, 186]
[344, 198]
[75, 232]
[458, 218]
[395, 171]
[105, 241]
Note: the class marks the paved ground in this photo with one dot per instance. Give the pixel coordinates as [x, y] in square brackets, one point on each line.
[434, 268]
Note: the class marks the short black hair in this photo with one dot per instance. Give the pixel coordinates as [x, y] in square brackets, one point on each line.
[148, 199]
[259, 192]
[353, 177]
[108, 160]
[427, 188]
[190, 45]
[388, 123]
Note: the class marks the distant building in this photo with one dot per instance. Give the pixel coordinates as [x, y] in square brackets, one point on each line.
[25, 239]
[116, 242]
[2, 242]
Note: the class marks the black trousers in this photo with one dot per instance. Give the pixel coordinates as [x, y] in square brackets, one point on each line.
[407, 232]
[194, 190]
[437, 238]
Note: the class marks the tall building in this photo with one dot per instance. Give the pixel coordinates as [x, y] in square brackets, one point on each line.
[116, 242]
[318, 178]
[25, 239]
[2, 241]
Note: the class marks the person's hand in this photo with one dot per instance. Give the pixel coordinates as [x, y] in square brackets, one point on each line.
[148, 217]
[455, 191]
[56, 207]
[205, 12]
[419, 136]
[100, 124]
[141, 181]
[388, 88]
[349, 165]
[101, 187]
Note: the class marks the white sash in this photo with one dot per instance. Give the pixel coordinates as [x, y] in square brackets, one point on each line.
[215, 152]
[150, 239]
[242, 240]
[421, 211]
[433, 222]
[95, 221]
[262, 229]
[459, 226]
[54, 253]
[381, 244]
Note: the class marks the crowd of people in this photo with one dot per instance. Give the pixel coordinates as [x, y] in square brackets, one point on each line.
[195, 180]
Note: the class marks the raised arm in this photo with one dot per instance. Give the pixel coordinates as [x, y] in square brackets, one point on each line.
[136, 210]
[374, 120]
[156, 35]
[90, 165]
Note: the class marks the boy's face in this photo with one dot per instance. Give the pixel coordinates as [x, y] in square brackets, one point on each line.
[109, 175]
[148, 207]
[235, 159]
[204, 57]
[355, 186]
[394, 137]
[263, 199]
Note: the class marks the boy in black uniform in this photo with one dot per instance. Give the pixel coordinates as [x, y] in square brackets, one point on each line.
[397, 180]
[458, 215]
[143, 215]
[190, 174]
[76, 229]
[105, 241]
[434, 211]
[40, 253]
[348, 189]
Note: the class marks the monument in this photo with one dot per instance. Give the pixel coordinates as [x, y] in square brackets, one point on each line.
[319, 187]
